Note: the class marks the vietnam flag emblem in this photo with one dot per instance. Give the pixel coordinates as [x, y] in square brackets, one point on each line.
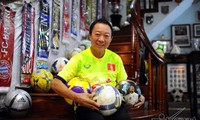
[111, 66]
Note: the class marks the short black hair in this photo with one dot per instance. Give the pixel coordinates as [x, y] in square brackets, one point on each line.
[101, 20]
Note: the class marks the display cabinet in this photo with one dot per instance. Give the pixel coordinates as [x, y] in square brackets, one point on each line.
[178, 78]
[194, 84]
[177, 72]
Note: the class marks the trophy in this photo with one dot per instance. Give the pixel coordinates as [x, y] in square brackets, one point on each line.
[115, 9]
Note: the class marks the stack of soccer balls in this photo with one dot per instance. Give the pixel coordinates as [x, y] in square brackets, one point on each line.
[41, 80]
[17, 103]
[107, 96]
[110, 98]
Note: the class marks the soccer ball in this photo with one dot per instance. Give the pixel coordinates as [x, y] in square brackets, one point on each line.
[130, 92]
[17, 103]
[95, 86]
[74, 52]
[41, 80]
[78, 85]
[159, 47]
[109, 99]
[85, 44]
[58, 65]
[177, 94]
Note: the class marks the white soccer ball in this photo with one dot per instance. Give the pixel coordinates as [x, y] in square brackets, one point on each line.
[159, 47]
[109, 99]
[17, 103]
[74, 52]
[177, 94]
[85, 44]
[58, 64]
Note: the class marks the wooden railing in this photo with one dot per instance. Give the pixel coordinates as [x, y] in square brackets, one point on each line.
[128, 43]
[156, 95]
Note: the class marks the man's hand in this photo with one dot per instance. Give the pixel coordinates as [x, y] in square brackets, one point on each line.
[85, 99]
[140, 103]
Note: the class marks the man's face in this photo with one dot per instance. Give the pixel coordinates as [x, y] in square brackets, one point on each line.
[100, 37]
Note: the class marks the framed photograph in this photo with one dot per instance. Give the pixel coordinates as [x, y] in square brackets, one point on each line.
[196, 30]
[177, 76]
[180, 35]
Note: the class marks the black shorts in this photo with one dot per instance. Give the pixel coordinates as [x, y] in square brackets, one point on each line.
[83, 113]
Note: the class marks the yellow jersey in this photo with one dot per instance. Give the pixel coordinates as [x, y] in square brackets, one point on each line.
[106, 70]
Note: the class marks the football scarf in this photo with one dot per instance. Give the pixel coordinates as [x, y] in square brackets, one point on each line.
[28, 39]
[6, 44]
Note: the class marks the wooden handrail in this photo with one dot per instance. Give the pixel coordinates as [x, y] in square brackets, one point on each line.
[142, 34]
[156, 84]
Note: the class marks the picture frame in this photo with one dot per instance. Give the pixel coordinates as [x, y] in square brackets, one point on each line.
[180, 35]
[196, 30]
[177, 76]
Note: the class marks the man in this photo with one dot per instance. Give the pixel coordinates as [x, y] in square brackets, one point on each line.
[98, 65]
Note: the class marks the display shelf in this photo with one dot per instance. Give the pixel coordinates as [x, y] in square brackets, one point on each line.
[194, 84]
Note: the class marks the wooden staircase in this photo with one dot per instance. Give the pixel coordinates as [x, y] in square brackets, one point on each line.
[121, 45]
[128, 43]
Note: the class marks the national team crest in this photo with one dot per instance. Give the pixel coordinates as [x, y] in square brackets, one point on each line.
[111, 67]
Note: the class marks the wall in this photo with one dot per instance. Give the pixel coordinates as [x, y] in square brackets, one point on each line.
[64, 49]
[189, 16]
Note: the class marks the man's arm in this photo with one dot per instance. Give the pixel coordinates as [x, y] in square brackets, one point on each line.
[83, 99]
